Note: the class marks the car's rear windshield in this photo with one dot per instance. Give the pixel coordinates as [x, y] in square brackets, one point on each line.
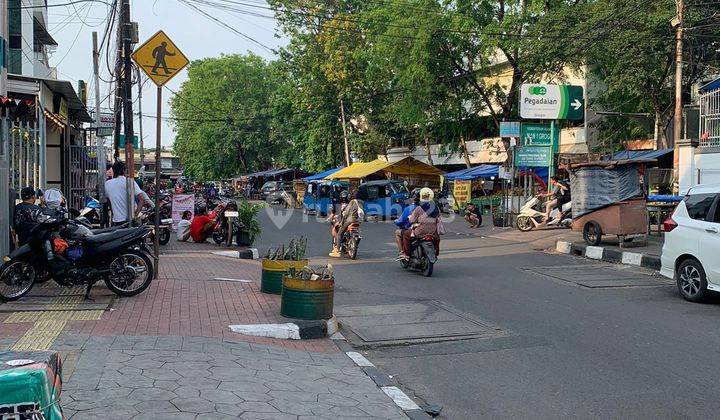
[698, 205]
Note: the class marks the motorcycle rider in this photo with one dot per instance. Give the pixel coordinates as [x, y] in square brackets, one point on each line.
[424, 219]
[26, 214]
[561, 196]
[349, 214]
[403, 222]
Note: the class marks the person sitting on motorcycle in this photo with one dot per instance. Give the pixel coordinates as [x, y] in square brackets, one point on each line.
[561, 196]
[349, 214]
[403, 222]
[26, 216]
[201, 226]
[424, 219]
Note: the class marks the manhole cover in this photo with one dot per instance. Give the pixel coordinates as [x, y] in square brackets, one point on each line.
[424, 321]
[598, 276]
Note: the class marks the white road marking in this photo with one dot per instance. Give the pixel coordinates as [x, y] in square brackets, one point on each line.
[400, 398]
[359, 359]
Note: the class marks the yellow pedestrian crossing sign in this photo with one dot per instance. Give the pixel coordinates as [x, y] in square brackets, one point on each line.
[160, 59]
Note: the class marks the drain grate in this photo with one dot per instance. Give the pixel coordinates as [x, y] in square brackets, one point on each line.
[599, 276]
[408, 322]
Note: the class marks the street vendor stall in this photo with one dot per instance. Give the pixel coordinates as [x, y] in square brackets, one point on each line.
[608, 199]
[387, 198]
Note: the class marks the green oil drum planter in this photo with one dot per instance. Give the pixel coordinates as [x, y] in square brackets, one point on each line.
[307, 299]
[271, 279]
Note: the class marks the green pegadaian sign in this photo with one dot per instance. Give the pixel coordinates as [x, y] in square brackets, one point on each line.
[552, 102]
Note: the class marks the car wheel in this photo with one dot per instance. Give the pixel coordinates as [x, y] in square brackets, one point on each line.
[592, 233]
[692, 281]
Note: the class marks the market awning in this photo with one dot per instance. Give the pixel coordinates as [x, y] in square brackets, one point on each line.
[322, 175]
[641, 154]
[482, 171]
[404, 167]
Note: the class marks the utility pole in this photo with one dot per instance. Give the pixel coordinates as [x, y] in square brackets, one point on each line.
[100, 149]
[125, 28]
[677, 125]
[345, 136]
[140, 120]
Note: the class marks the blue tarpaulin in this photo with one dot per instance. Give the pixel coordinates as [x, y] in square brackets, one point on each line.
[482, 171]
[715, 84]
[641, 154]
[322, 175]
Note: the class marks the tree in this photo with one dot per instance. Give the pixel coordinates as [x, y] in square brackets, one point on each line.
[222, 117]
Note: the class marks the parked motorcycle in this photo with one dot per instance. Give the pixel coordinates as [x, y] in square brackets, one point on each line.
[422, 255]
[531, 216]
[225, 231]
[73, 255]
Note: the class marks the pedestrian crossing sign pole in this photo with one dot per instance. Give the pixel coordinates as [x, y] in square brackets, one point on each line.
[161, 60]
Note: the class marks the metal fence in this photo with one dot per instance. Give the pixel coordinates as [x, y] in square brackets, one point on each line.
[81, 178]
[23, 155]
[710, 119]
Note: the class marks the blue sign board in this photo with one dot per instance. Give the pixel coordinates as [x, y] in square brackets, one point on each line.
[509, 129]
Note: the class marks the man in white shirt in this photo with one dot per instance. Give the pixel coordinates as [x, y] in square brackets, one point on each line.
[116, 191]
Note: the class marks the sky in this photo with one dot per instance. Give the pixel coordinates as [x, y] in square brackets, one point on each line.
[196, 35]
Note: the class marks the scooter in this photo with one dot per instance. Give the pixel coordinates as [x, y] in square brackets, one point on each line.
[351, 241]
[531, 216]
[422, 255]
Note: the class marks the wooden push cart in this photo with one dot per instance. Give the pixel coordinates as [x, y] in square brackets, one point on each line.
[608, 198]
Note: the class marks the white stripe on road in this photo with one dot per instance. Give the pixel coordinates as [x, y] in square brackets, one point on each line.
[359, 359]
[400, 398]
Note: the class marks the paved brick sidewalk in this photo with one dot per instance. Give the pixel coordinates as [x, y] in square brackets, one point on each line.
[204, 378]
[168, 352]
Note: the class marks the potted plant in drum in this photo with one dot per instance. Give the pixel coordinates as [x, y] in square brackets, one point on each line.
[280, 260]
[247, 216]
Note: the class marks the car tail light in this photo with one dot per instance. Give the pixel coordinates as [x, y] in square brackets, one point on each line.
[669, 224]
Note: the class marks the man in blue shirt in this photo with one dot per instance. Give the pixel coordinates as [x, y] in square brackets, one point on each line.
[403, 222]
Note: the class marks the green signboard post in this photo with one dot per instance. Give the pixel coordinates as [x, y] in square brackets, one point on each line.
[135, 141]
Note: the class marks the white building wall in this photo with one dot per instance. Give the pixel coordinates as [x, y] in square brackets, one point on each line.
[707, 168]
[28, 39]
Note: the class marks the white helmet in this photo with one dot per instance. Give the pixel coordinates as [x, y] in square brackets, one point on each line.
[426, 195]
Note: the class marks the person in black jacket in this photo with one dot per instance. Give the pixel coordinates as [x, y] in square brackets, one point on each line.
[26, 216]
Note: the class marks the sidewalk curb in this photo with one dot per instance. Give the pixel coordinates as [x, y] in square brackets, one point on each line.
[243, 253]
[298, 330]
[608, 255]
[383, 381]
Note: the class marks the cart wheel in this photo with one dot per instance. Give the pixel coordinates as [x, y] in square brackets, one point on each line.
[592, 233]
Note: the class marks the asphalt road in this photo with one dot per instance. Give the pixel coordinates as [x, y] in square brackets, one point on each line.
[565, 351]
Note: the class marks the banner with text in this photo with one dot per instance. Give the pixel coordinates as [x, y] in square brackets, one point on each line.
[180, 204]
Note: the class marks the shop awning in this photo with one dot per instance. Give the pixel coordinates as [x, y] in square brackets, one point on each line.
[482, 171]
[403, 168]
[322, 175]
[715, 84]
[641, 154]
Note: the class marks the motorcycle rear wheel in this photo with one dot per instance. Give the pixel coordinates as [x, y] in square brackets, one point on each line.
[16, 280]
[352, 248]
[142, 266]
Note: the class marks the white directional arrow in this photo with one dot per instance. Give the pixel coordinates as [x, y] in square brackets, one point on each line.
[576, 104]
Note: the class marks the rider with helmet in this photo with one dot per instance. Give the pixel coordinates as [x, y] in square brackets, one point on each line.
[424, 220]
[350, 213]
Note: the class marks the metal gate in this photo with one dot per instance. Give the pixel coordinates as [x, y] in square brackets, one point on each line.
[81, 175]
[24, 155]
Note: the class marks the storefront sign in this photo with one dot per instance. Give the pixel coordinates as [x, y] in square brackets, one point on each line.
[180, 204]
[461, 191]
[533, 156]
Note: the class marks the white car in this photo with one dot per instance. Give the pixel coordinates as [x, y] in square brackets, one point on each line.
[691, 253]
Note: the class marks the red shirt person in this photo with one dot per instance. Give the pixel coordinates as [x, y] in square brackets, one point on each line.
[201, 226]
